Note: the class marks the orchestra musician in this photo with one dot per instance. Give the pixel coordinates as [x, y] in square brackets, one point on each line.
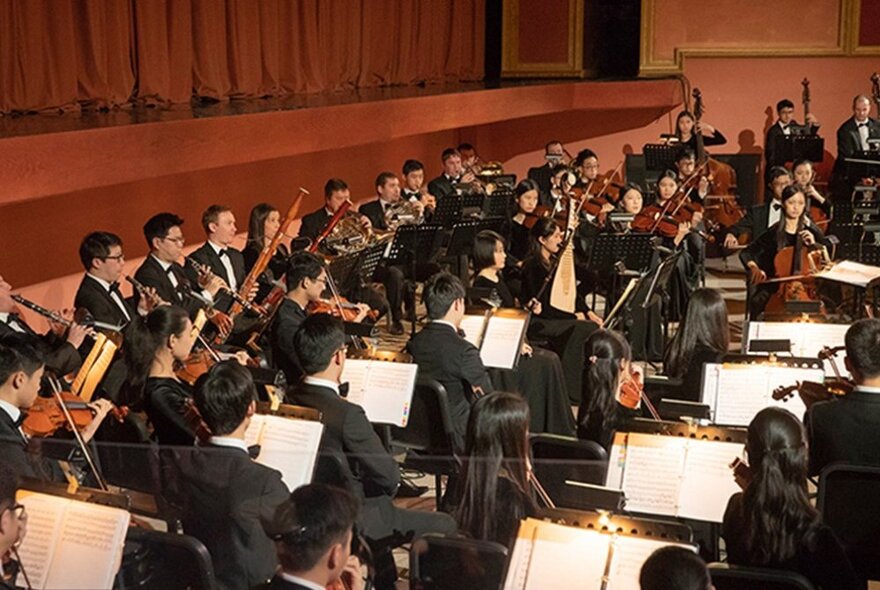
[470, 160]
[103, 260]
[526, 196]
[586, 167]
[153, 345]
[495, 491]
[608, 365]
[313, 532]
[453, 174]
[631, 202]
[367, 467]
[761, 217]
[686, 130]
[538, 375]
[227, 500]
[414, 189]
[217, 253]
[554, 154]
[852, 137]
[804, 177]
[785, 125]
[60, 345]
[263, 224]
[336, 192]
[759, 257]
[556, 199]
[443, 354]
[846, 429]
[13, 526]
[161, 271]
[685, 164]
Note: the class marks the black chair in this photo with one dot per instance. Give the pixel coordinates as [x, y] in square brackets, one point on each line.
[439, 563]
[849, 501]
[154, 560]
[557, 459]
[428, 437]
[734, 577]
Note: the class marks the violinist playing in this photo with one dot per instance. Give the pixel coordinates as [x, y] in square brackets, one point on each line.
[793, 229]
[527, 212]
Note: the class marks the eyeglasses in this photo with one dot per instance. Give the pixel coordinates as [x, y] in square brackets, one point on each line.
[320, 280]
[18, 510]
[118, 257]
[179, 241]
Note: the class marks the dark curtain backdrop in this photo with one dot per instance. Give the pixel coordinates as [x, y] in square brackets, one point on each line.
[60, 55]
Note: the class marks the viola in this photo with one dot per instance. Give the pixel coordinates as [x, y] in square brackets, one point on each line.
[653, 219]
[45, 416]
[631, 391]
[194, 366]
[344, 308]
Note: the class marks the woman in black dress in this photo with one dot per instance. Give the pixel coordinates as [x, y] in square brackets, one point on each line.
[685, 131]
[153, 344]
[608, 359]
[264, 223]
[772, 523]
[703, 336]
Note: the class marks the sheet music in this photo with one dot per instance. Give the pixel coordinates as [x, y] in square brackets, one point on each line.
[287, 445]
[807, 338]
[501, 342]
[472, 326]
[708, 481]
[383, 389]
[627, 557]
[741, 392]
[71, 544]
[652, 473]
[548, 555]
[616, 461]
[851, 273]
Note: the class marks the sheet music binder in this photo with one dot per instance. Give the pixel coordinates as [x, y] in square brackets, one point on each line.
[584, 550]
[505, 321]
[634, 250]
[420, 241]
[660, 156]
[743, 385]
[382, 405]
[665, 469]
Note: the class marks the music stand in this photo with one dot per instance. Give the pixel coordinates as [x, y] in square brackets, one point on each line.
[448, 210]
[661, 277]
[341, 267]
[790, 148]
[660, 156]
[634, 250]
[472, 204]
[370, 258]
[415, 245]
[498, 204]
[862, 165]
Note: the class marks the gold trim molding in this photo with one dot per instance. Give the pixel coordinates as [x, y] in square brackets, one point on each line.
[512, 67]
[847, 44]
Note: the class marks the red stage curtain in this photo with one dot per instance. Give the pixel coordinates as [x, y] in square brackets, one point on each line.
[64, 54]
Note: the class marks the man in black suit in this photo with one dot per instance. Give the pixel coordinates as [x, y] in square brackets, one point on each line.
[852, 137]
[760, 217]
[366, 466]
[442, 354]
[413, 188]
[313, 533]
[218, 255]
[453, 174]
[228, 501]
[336, 192]
[99, 293]
[554, 154]
[13, 525]
[60, 344]
[785, 126]
[847, 429]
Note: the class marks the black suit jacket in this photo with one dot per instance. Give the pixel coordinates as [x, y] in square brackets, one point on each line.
[441, 187]
[31, 460]
[770, 155]
[541, 175]
[849, 142]
[844, 430]
[313, 223]
[755, 221]
[94, 297]
[228, 502]
[61, 357]
[349, 436]
[374, 212]
[207, 256]
[151, 274]
[288, 319]
[445, 356]
[279, 583]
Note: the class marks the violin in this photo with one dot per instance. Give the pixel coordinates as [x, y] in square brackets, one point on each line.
[811, 392]
[194, 366]
[343, 308]
[632, 394]
[530, 219]
[45, 416]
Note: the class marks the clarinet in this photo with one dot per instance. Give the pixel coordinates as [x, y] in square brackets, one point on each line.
[46, 313]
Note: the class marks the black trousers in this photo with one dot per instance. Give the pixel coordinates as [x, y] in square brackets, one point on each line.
[566, 338]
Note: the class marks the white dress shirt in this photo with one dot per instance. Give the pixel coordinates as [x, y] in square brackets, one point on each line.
[15, 326]
[227, 264]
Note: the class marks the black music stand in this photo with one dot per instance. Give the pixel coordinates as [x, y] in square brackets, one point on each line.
[341, 269]
[498, 204]
[633, 250]
[862, 165]
[790, 148]
[448, 210]
[660, 156]
[461, 241]
[371, 256]
[472, 204]
[415, 245]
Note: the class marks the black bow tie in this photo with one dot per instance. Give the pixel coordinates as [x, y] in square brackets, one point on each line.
[861, 125]
[343, 389]
[254, 451]
[784, 127]
[169, 270]
[20, 420]
[777, 206]
[223, 252]
[114, 287]
[415, 194]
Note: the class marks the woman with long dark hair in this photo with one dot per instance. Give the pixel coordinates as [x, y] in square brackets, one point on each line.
[703, 336]
[608, 358]
[264, 223]
[495, 489]
[686, 130]
[772, 522]
[153, 343]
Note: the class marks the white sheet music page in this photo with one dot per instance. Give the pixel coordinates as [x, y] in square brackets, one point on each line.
[708, 481]
[291, 447]
[501, 342]
[548, 555]
[709, 391]
[652, 473]
[741, 392]
[43, 528]
[627, 557]
[354, 372]
[382, 388]
[472, 326]
[807, 338]
[616, 461]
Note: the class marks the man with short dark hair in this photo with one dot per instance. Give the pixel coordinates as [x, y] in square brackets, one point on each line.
[348, 435]
[99, 293]
[218, 255]
[13, 524]
[760, 217]
[785, 126]
[313, 534]
[674, 568]
[336, 193]
[847, 429]
[442, 354]
[554, 155]
[453, 174]
[228, 501]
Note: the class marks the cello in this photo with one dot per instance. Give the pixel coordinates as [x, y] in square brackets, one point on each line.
[793, 266]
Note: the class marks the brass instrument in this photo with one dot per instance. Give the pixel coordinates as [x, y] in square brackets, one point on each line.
[403, 213]
[348, 235]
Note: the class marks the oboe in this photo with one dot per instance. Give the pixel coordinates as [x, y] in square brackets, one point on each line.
[205, 271]
[46, 313]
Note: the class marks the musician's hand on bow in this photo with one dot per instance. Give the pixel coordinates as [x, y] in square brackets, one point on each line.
[363, 309]
[811, 119]
[684, 228]
[77, 334]
[808, 237]
[756, 275]
[703, 186]
[730, 242]
[704, 127]
[594, 317]
[242, 357]
[607, 208]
